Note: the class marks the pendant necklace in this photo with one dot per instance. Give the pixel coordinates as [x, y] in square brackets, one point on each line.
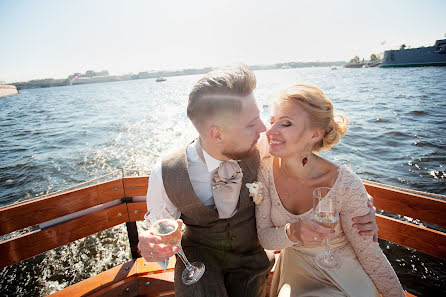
[287, 193]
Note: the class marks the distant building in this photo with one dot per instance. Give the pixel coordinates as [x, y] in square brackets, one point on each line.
[88, 74]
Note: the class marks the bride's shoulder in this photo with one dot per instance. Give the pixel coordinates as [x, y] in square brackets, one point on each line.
[347, 172]
[337, 173]
[348, 179]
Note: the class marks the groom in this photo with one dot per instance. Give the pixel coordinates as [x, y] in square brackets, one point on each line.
[203, 184]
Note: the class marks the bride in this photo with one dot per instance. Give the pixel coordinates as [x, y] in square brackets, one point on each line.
[302, 124]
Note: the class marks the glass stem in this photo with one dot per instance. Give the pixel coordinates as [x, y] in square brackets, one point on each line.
[327, 246]
[183, 258]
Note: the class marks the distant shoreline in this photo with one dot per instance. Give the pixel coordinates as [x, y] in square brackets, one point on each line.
[51, 82]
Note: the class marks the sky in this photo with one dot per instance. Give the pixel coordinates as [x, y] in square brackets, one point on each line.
[53, 39]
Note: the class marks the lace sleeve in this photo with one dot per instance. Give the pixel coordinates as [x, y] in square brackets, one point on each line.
[271, 237]
[370, 255]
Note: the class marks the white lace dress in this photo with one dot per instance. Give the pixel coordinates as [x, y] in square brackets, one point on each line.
[365, 271]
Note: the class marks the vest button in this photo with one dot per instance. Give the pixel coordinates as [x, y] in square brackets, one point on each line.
[233, 237]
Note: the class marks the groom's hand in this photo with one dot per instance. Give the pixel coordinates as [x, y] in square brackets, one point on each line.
[308, 232]
[152, 249]
[366, 225]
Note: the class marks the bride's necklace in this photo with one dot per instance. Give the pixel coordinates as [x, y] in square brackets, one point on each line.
[287, 193]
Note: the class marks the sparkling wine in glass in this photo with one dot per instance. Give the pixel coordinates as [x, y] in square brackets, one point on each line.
[168, 230]
[326, 214]
[165, 226]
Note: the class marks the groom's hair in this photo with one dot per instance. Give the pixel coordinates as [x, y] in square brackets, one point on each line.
[218, 94]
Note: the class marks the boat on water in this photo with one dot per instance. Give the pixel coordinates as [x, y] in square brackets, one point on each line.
[159, 79]
[353, 65]
[78, 212]
[361, 65]
[416, 57]
[7, 90]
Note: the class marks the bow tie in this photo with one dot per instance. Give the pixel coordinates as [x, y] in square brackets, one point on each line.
[226, 184]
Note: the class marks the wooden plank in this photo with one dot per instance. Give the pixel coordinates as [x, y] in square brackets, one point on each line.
[117, 279]
[125, 288]
[135, 186]
[36, 211]
[156, 284]
[413, 205]
[136, 211]
[28, 245]
[422, 239]
[99, 281]
[153, 280]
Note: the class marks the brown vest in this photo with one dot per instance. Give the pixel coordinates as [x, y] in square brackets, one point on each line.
[224, 243]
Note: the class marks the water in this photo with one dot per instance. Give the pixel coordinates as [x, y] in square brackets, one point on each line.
[58, 137]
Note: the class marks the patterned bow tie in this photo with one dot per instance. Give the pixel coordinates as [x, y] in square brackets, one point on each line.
[226, 184]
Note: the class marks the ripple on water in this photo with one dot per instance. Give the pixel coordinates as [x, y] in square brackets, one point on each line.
[428, 144]
[438, 174]
[396, 134]
[418, 113]
[381, 120]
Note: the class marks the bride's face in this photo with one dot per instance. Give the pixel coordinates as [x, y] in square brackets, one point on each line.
[289, 133]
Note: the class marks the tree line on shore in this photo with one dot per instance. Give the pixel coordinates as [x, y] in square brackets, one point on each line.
[373, 59]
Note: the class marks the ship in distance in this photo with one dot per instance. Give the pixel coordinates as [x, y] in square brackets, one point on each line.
[414, 57]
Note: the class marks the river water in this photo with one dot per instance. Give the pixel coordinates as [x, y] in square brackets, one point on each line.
[55, 138]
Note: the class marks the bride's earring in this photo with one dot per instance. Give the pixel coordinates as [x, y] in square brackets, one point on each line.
[305, 159]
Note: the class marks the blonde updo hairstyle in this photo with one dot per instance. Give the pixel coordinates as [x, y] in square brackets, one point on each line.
[320, 111]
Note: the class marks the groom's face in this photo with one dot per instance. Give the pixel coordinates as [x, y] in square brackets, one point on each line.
[241, 137]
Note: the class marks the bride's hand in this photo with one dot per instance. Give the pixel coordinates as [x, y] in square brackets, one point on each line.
[308, 232]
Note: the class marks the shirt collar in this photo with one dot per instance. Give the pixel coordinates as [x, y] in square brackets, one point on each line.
[210, 161]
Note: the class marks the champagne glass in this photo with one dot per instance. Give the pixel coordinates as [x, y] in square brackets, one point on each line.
[162, 224]
[326, 214]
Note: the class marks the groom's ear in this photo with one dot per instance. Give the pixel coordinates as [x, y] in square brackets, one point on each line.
[215, 134]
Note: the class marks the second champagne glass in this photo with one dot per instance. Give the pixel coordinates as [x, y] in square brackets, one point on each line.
[326, 214]
[165, 226]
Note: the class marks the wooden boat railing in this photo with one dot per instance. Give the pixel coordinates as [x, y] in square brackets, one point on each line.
[57, 220]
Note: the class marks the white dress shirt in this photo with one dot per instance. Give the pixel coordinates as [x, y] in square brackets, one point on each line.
[200, 175]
